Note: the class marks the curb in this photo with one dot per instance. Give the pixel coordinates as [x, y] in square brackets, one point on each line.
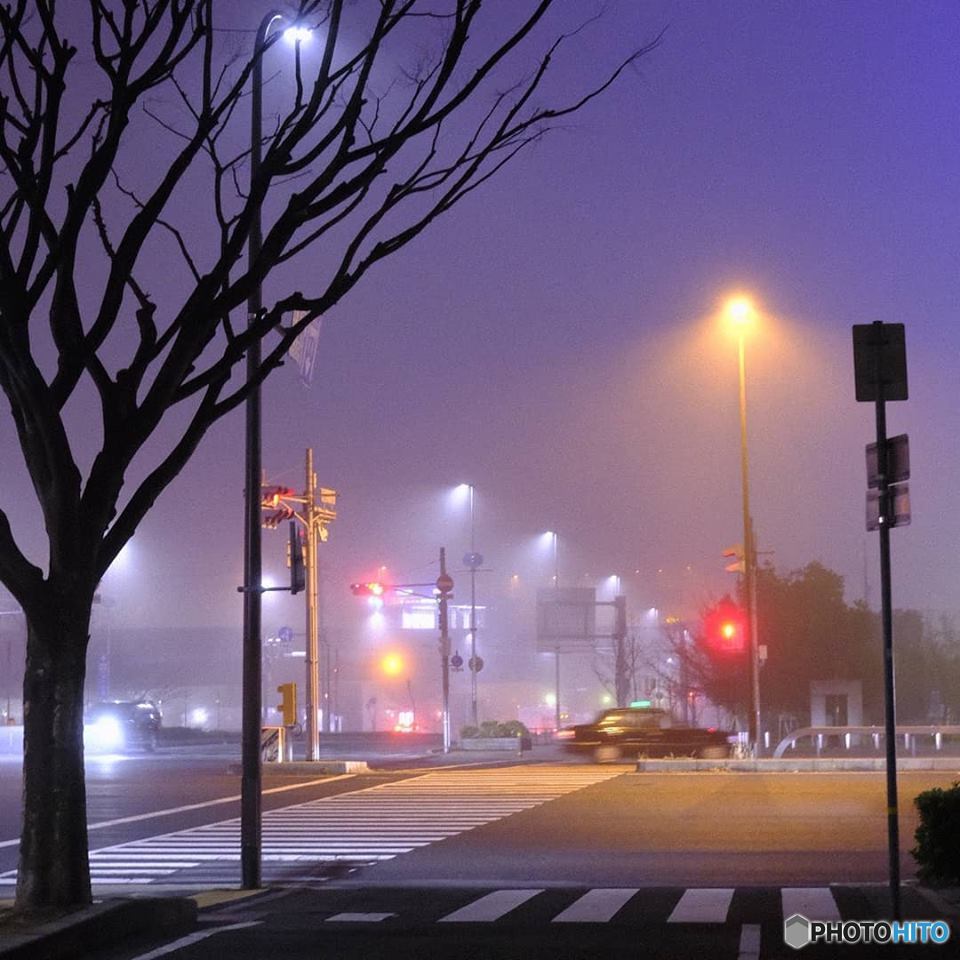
[296, 768]
[97, 928]
[797, 765]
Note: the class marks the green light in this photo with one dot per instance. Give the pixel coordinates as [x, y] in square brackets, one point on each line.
[640, 703]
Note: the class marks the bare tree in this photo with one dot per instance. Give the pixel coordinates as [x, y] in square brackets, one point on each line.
[400, 120]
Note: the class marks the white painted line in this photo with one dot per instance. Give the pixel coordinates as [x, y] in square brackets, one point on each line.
[490, 907]
[595, 906]
[194, 938]
[359, 917]
[749, 942]
[195, 806]
[815, 903]
[702, 905]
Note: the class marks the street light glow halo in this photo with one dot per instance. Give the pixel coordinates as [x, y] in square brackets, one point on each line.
[297, 34]
[740, 312]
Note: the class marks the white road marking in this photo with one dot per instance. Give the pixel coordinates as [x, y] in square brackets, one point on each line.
[490, 907]
[749, 942]
[193, 938]
[368, 825]
[815, 903]
[102, 824]
[595, 906]
[702, 905]
[359, 917]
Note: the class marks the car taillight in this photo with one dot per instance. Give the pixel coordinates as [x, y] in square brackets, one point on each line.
[565, 735]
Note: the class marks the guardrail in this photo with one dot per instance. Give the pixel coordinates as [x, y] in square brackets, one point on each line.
[909, 734]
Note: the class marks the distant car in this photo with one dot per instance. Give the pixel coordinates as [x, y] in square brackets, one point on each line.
[116, 726]
[643, 731]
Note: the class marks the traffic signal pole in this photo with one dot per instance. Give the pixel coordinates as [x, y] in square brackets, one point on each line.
[313, 619]
[442, 582]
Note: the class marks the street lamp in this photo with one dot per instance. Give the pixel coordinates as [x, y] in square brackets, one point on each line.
[250, 783]
[552, 535]
[472, 561]
[741, 315]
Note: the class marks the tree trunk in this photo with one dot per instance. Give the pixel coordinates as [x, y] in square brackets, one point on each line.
[54, 869]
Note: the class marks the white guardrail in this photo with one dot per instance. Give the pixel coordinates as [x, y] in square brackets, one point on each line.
[909, 733]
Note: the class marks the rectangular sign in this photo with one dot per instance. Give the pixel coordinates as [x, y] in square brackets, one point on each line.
[566, 619]
[880, 361]
[900, 497]
[898, 461]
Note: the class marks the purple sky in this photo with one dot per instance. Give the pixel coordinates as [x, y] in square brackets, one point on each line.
[551, 340]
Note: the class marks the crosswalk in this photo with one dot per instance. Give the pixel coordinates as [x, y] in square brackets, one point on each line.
[361, 827]
[637, 906]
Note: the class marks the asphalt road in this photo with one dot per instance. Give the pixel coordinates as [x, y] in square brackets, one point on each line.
[520, 860]
[707, 828]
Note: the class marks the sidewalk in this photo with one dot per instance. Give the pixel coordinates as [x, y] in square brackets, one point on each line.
[99, 926]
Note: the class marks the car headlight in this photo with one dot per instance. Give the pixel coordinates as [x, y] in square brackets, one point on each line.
[104, 734]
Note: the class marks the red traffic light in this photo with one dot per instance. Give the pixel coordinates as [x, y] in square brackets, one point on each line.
[725, 628]
[367, 589]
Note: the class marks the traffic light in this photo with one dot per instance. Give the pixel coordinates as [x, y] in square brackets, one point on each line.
[725, 628]
[367, 589]
[288, 704]
[295, 559]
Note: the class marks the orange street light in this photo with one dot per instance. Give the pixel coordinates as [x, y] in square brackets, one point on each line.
[392, 664]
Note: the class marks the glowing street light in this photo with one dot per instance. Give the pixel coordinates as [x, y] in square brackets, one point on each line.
[741, 315]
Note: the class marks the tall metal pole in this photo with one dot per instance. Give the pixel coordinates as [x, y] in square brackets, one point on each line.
[473, 617]
[749, 560]
[556, 657]
[252, 674]
[444, 655]
[313, 633]
[890, 730]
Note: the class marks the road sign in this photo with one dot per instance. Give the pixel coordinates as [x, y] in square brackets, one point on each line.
[285, 634]
[475, 664]
[898, 461]
[472, 560]
[444, 583]
[880, 361]
[899, 513]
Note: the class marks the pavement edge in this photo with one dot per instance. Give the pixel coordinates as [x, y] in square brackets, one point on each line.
[96, 927]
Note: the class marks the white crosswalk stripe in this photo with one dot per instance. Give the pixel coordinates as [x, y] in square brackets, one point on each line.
[491, 907]
[702, 905]
[364, 826]
[815, 903]
[595, 906]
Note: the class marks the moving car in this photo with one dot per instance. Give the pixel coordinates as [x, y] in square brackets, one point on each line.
[115, 726]
[646, 732]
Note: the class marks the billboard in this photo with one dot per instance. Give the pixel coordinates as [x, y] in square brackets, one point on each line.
[566, 619]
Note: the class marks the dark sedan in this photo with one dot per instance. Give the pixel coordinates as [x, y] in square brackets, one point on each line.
[644, 731]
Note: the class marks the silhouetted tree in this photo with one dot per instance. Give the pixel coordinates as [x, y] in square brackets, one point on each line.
[411, 106]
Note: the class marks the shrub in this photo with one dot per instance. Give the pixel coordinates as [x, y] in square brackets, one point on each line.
[494, 728]
[938, 837]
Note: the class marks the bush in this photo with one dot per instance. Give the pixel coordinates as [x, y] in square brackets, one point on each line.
[493, 728]
[938, 837]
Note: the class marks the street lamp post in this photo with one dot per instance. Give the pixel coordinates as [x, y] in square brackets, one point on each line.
[556, 652]
[473, 563]
[252, 675]
[741, 314]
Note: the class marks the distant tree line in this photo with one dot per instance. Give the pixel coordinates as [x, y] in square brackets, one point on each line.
[811, 633]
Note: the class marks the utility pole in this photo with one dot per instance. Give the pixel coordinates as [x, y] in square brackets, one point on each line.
[313, 638]
[316, 515]
[444, 586]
